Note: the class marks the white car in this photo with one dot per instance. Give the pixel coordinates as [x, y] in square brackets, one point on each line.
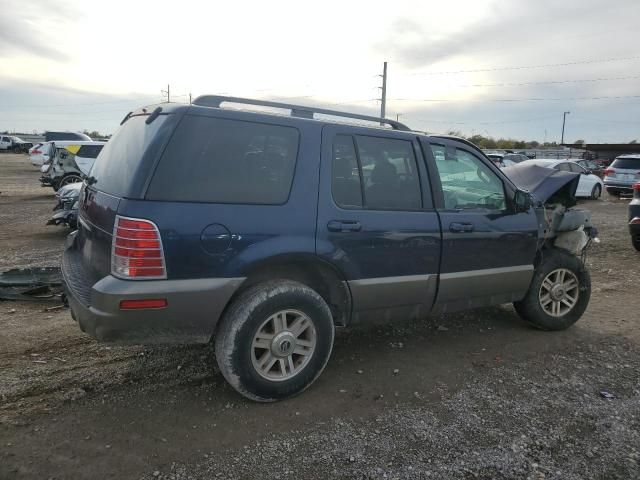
[589, 186]
[69, 161]
[39, 154]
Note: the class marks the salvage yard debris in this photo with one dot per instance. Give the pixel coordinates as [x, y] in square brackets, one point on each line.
[40, 284]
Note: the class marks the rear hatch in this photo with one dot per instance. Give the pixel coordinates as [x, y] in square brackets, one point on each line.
[624, 170]
[120, 171]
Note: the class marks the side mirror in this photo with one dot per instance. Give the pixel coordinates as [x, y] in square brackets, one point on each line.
[522, 201]
[587, 172]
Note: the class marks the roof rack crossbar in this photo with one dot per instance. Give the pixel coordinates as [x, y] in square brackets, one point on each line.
[296, 110]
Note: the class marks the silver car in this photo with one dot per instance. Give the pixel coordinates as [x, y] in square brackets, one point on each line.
[620, 176]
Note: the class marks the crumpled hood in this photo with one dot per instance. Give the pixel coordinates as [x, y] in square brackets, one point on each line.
[546, 185]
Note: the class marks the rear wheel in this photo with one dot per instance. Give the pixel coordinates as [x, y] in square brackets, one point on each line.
[274, 340]
[66, 180]
[636, 242]
[596, 191]
[559, 292]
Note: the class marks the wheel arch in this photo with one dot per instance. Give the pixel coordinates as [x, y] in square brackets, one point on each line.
[307, 269]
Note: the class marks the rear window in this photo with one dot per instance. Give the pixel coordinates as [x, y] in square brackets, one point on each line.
[626, 163]
[119, 158]
[89, 151]
[226, 161]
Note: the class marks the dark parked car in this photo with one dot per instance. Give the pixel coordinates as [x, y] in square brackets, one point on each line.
[264, 232]
[634, 217]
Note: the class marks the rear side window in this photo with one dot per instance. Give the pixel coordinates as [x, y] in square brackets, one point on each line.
[226, 161]
[89, 151]
[120, 157]
[383, 169]
[563, 166]
[626, 163]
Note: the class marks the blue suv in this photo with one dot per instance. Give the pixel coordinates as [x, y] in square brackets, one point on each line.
[261, 232]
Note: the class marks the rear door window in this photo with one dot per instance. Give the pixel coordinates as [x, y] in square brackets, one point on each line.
[389, 173]
[626, 163]
[217, 160]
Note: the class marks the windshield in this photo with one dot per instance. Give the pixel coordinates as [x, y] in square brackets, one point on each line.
[119, 158]
[17, 139]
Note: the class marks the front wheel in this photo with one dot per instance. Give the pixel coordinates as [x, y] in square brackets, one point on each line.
[559, 292]
[274, 340]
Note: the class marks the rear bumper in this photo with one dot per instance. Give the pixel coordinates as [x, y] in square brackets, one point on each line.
[192, 312]
[619, 185]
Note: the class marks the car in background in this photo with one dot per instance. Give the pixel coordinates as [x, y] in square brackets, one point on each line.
[593, 166]
[13, 144]
[70, 162]
[52, 136]
[589, 186]
[634, 217]
[622, 174]
[39, 154]
[513, 159]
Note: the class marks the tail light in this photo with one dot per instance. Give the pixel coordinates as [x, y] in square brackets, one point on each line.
[136, 250]
[609, 171]
[36, 152]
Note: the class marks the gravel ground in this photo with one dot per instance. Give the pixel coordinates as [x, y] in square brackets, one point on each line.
[470, 395]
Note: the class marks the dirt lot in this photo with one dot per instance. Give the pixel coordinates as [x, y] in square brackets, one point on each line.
[475, 395]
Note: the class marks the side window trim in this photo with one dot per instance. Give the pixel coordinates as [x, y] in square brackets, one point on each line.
[360, 174]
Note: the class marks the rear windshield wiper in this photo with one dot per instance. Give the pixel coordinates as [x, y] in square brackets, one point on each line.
[153, 115]
[126, 117]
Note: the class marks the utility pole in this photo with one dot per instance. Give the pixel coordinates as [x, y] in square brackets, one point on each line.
[383, 100]
[564, 119]
[167, 92]
[398, 117]
[189, 98]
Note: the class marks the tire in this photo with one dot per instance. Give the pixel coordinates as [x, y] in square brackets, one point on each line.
[17, 150]
[254, 313]
[67, 179]
[635, 241]
[596, 191]
[546, 317]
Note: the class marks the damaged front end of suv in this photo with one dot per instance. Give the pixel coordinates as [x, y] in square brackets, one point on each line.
[553, 196]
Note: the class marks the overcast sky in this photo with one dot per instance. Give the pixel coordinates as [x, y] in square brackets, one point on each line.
[507, 68]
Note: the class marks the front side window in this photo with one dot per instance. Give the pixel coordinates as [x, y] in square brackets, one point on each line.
[226, 161]
[467, 183]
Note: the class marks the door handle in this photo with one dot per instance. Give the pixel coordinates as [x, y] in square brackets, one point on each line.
[344, 226]
[460, 227]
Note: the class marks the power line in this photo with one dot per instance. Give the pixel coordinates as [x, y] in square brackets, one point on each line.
[510, 100]
[525, 67]
[548, 82]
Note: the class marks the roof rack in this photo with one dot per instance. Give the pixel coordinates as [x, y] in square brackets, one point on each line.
[296, 110]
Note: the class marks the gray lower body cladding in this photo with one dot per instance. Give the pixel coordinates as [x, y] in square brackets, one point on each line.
[191, 315]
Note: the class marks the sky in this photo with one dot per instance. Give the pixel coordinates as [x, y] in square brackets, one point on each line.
[503, 68]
